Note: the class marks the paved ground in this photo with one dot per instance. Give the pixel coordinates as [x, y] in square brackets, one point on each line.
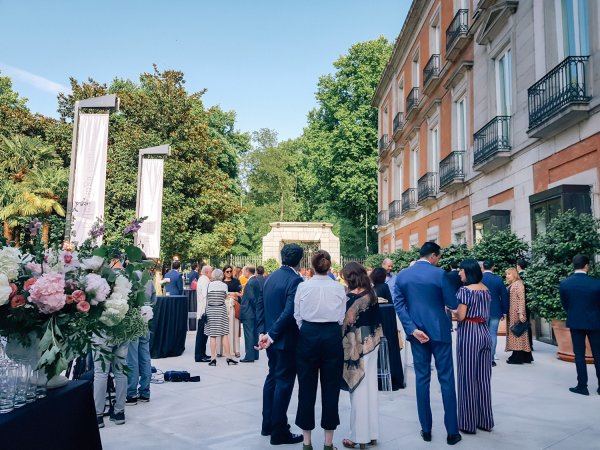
[533, 409]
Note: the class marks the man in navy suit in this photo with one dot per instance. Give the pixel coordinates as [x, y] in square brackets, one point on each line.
[422, 292]
[278, 334]
[499, 305]
[248, 315]
[580, 296]
[175, 284]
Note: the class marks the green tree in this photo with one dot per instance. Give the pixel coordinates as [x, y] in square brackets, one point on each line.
[501, 246]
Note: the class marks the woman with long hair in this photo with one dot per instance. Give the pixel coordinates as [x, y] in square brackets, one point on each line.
[361, 332]
[234, 296]
[217, 323]
[519, 345]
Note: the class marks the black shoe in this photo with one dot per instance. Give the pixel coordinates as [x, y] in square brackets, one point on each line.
[580, 390]
[143, 399]
[213, 362]
[118, 418]
[291, 438]
[131, 401]
[508, 361]
[219, 355]
[453, 439]
[205, 359]
[246, 360]
[100, 420]
[493, 363]
[231, 361]
[426, 435]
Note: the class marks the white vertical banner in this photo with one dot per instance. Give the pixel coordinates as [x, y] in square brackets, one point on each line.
[150, 206]
[89, 180]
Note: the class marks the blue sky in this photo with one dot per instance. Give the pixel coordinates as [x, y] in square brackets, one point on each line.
[260, 58]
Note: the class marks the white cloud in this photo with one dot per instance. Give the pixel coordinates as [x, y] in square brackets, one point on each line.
[33, 80]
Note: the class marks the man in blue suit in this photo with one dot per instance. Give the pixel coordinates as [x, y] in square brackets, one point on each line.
[499, 305]
[248, 315]
[580, 296]
[422, 291]
[278, 334]
[175, 284]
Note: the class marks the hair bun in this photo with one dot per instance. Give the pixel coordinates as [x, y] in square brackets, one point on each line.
[321, 261]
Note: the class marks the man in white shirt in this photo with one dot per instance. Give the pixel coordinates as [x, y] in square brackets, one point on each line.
[202, 290]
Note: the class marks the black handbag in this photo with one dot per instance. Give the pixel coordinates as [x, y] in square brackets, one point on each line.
[519, 328]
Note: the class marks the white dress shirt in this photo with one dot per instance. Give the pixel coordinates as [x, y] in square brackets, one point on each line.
[202, 291]
[320, 299]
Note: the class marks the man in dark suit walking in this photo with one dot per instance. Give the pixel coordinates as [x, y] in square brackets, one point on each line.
[278, 334]
[499, 305]
[175, 281]
[252, 291]
[580, 296]
[422, 293]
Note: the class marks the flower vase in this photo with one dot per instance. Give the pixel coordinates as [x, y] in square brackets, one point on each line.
[31, 354]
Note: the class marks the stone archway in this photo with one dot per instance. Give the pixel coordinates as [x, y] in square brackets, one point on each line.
[306, 234]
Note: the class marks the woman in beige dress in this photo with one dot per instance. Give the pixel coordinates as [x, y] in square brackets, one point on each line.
[519, 345]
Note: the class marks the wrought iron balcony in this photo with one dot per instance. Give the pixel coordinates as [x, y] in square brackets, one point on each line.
[457, 33]
[492, 143]
[409, 200]
[383, 143]
[395, 209]
[398, 123]
[412, 101]
[427, 187]
[561, 88]
[431, 72]
[452, 171]
[382, 217]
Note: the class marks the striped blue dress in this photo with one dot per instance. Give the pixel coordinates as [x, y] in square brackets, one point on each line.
[474, 361]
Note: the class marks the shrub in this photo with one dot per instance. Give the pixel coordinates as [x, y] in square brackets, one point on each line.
[454, 254]
[271, 265]
[501, 246]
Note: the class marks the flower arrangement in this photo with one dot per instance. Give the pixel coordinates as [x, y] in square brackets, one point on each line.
[68, 298]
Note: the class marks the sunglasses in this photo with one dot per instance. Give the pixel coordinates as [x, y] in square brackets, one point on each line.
[227, 271]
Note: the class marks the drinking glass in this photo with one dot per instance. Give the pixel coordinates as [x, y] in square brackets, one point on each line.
[32, 386]
[8, 377]
[22, 383]
[40, 388]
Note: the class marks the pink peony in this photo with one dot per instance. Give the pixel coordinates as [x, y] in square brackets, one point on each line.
[69, 299]
[48, 293]
[78, 296]
[30, 282]
[83, 307]
[17, 300]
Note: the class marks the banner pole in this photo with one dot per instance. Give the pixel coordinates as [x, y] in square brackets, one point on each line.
[69, 215]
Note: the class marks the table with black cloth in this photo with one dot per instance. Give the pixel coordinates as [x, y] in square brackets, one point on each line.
[192, 296]
[390, 331]
[169, 326]
[65, 419]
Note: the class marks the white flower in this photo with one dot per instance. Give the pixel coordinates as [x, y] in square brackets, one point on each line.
[147, 313]
[10, 258]
[5, 289]
[114, 311]
[93, 263]
[122, 286]
[96, 286]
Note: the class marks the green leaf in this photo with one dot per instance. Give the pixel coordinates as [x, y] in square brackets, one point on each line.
[133, 253]
[101, 251]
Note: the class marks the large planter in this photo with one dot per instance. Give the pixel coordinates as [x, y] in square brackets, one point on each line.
[565, 344]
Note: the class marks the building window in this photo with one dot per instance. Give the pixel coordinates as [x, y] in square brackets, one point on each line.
[434, 149]
[497, 219]
[414, 167]
[460, 237]
[504, 84]
[416, 72]
[401, 96]
[575, 35]
[434, 36]
[461, 124]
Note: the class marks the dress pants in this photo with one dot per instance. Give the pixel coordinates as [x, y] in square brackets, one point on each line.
[277, 391]
[250, 339]
[442, 352]
[578, 338]
[364, 403]
[101, 377]
[140, 367]
[319, 355]
[201, 340]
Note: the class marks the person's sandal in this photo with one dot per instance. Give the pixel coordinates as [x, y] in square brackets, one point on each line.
[329, 447]
[307, 447]
[349, 444]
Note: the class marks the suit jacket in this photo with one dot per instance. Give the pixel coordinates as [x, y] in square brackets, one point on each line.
[498, 292]
[275, 308]
[419, 298]
[454, 280]
[193, 275]
[249, 299]
[175, 286]
[580, 296]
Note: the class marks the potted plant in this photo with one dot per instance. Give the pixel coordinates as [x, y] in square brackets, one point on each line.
[567, 235]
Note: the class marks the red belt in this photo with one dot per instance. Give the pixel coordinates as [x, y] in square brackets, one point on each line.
[474, 319]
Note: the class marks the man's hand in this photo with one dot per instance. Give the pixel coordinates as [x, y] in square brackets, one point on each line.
[263, 342]
[421, 336]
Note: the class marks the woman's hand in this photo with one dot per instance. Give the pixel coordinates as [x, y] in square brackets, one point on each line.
[521, 317]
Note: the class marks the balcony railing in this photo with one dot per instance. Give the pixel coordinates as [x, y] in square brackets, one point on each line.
[452, 168]
[409, 200]
[412, 101]
[395, 209]
[458, 27]
[398, 123]
[491, 139]
[562, 86]
[427, 186]
[383, 143]
[382, 217]
[431, 70]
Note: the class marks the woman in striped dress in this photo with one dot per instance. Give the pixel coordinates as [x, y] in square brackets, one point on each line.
[217, 322]
[474, 351]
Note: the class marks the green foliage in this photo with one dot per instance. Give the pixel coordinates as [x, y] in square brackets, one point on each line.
[567, 235]
[375, 260]
[501, 246]
[453, 255]
[271, 265]
[403, 258]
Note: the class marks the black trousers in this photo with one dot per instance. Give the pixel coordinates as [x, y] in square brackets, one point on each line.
[319, 355]
[250, 339]
[277, 391]
[578, 338]
[201, 340]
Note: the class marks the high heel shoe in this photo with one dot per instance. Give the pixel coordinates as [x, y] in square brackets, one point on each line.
[231, 361]
[213, 362]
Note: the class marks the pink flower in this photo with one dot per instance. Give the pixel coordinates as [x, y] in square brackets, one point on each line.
[78, 296]
[69, 299]
[13, 288]
[30, 282]
[17, 300]
[34, 267]
[48, 293]
[83, 307]
[67, 258]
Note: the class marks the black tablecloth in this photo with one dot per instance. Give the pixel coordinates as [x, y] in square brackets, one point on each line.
[169, 326]
[65, 419]
[192, 297]
[390, 331]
